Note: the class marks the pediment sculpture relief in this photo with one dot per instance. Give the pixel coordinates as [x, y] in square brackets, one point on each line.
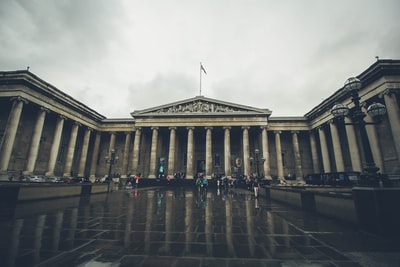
[198, 106]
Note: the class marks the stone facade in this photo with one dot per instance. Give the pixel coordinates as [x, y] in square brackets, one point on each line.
[44, 131]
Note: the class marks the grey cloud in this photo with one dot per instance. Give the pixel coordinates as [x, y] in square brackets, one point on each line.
[162, 89]
[267, 54]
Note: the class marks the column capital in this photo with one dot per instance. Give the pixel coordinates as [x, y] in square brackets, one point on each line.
[45, 109]
[277, 132]
[295, 132]
[264, 127]
[112, 132]
[19, 99]
[127, 132]
[77, 123]
[190, 128]
[226, 127]
[388, 92]
[332, 121]
[62, 117]
[137, 128]
[172, 128]
[154, 128]
[208, 127]
[245, 127]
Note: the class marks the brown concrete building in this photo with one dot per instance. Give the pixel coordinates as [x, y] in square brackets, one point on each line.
[46, 132]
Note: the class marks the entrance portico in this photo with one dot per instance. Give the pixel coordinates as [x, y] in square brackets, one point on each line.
[204, 134]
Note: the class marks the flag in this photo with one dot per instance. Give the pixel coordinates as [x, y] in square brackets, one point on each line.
[202, 68]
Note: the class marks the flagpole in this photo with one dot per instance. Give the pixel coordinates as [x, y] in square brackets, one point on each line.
[200, 79]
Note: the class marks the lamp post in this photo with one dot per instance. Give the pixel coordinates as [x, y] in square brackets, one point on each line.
[257, 160]
[111, 161]
[339, 111]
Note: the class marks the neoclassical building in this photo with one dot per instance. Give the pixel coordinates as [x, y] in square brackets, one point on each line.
[44, 131]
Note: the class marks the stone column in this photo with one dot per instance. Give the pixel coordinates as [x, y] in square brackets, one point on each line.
[136, 150]
[208, 152]
[35, 142]
[279, 160]
[337, 149]
[353, 146]
[10, 135]
[393, 114]
[125, 158]
[171, 152]
[71, 150]
[85, 147]
[297, 156]
[314, 152]
[95, 155]
[55, 146]
[265, 151]
[374, 142]
[153, 153]
[111, 145]
[190, 151]
[246, 151]
[227, 152]
[324, 150]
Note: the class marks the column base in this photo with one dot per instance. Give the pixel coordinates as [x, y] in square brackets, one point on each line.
[3, 176]
[49, 174]
[92, 178]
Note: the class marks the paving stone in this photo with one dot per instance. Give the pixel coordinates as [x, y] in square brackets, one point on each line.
[167, 226]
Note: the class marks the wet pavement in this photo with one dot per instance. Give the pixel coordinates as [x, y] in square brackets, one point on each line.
[166, 226]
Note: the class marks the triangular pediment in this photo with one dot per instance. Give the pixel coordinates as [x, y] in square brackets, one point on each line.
[200, 106]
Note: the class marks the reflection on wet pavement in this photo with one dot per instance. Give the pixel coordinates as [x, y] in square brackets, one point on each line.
[181, 227]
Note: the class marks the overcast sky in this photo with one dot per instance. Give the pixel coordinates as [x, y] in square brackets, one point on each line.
[119, 56]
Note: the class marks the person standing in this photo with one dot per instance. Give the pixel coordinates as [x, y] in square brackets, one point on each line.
[198, 183]
[205, 184]
[137, 180]
[256, 187]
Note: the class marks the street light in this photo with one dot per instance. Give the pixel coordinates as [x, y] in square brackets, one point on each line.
[257, 161]
[339, 111]
[110, 160]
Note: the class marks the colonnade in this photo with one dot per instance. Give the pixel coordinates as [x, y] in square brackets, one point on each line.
[323, 157]
[354, 146]
[14, 119]
[130, 160]
[10, 136]
[227, 156]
